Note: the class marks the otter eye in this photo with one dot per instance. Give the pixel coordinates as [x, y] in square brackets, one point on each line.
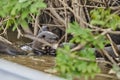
[43, 36]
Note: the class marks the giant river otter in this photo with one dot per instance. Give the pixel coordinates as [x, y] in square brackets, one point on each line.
[9, 49]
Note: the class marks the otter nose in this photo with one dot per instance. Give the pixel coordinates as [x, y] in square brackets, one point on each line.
[55, 38]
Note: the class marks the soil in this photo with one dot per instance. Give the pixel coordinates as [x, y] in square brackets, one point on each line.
[42, 63]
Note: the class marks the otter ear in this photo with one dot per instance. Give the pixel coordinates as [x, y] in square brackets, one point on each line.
[45, 28]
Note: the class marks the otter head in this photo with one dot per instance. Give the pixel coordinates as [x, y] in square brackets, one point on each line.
[47, 36]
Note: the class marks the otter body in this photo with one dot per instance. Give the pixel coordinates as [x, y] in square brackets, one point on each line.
[9, 49]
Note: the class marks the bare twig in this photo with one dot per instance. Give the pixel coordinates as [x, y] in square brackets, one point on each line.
[5, 40]
[114, 46]
[107, 76]
[109, 57]
[36, 24]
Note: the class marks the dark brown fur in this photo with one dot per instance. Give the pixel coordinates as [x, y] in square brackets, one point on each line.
[9, 49]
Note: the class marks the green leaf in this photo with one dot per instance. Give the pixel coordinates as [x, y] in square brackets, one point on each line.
[24, 24]
[14, 28]
[97, 22]
[42, 5]
[16, 6]
[21, 1]
[24, 14]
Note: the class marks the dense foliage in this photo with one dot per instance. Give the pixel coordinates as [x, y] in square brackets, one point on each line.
[18, 12]
[103, 18]
[82, 62]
